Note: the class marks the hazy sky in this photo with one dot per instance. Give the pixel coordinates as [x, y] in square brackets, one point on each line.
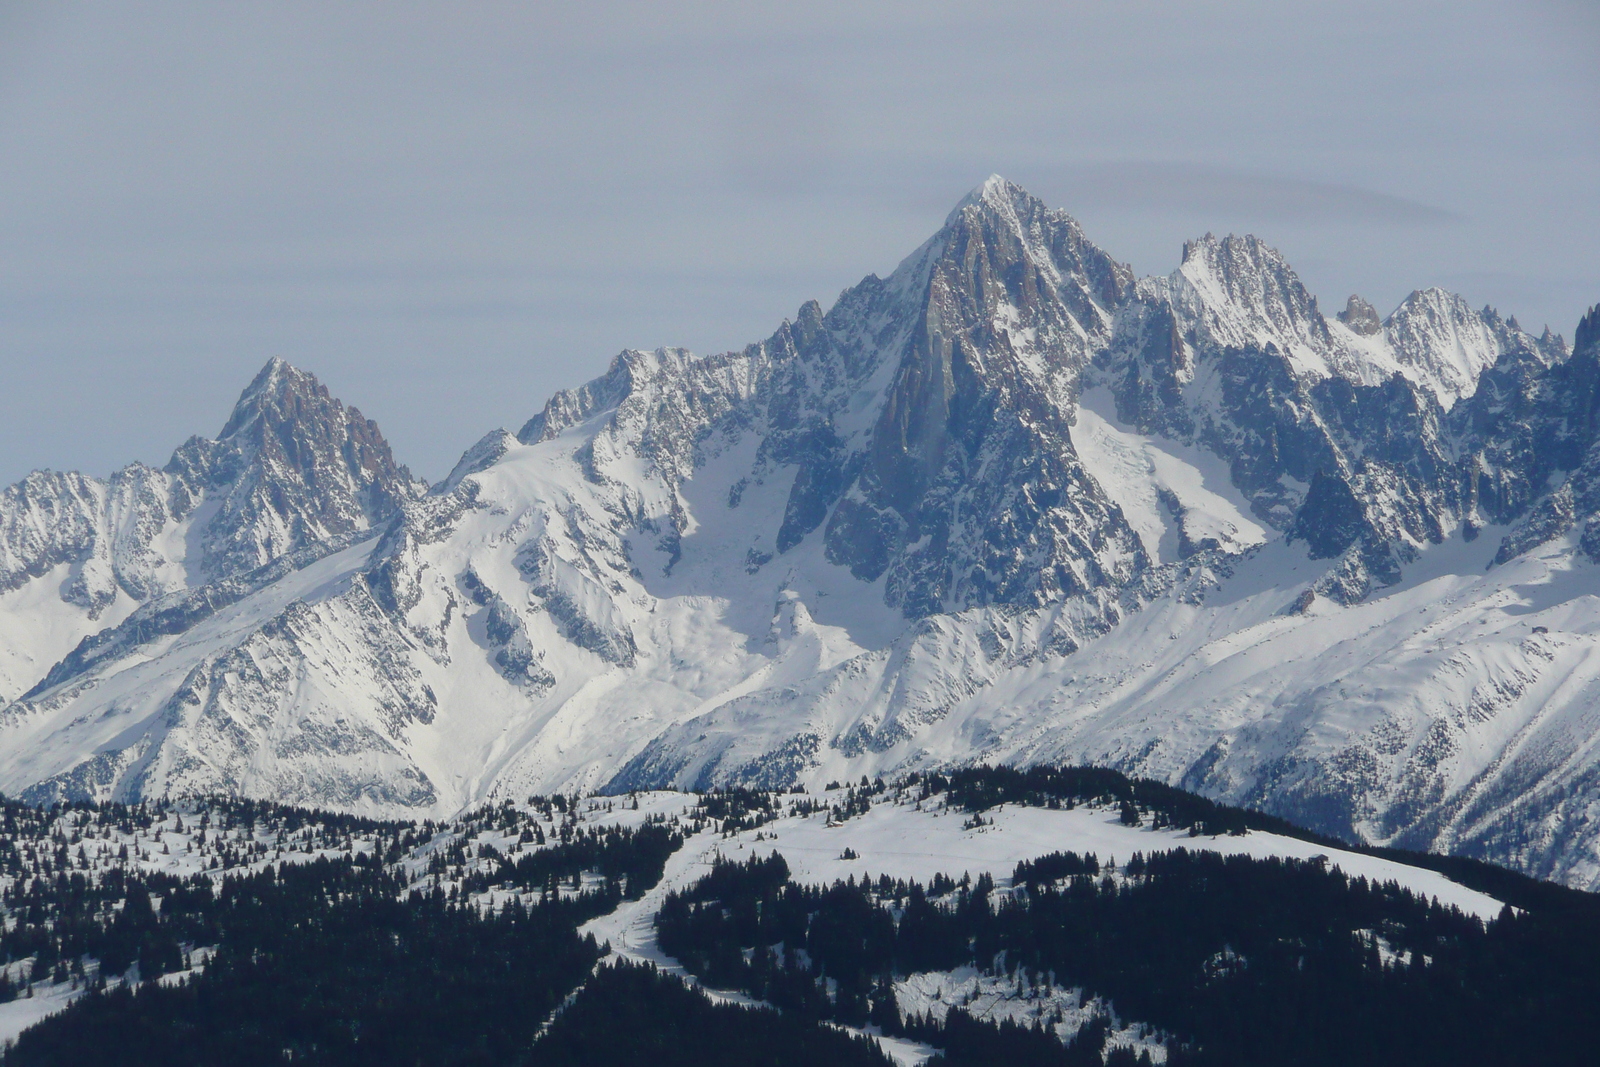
[448, 211]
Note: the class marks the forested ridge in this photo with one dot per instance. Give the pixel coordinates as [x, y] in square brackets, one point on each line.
[235, 932]
[345, 941]
[1142, 800]
[1238, 960]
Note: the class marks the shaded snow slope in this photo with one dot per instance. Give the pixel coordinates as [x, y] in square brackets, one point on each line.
[1179, 499]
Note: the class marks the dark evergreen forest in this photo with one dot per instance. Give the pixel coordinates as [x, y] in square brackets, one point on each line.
[1243, 961]
[326, 962]
[458, 944]
[322, 964]
[632, 1014]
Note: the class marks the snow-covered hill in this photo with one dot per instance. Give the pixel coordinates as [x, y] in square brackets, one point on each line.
[901, 834]
[1009, 503]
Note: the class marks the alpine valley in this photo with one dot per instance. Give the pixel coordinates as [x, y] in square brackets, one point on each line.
[1010, 504]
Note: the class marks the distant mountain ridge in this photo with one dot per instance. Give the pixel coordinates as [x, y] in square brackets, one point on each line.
[291, 469]
[1010, 503]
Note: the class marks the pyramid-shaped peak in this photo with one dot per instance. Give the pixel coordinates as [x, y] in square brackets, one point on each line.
[1249, 296]
[293, 466]
[1244, 266]
[277, 388]
[996, 193]
[1442, 307]
[1434, 294]
[276, 372]
[998, 206]
[995, 187]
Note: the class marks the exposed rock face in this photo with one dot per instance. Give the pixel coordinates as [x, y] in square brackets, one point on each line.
[912, 412]
[292, 467]
[968, 491]
[1539, 424]
[105, 532]
[1361, 317]
[1008, 503]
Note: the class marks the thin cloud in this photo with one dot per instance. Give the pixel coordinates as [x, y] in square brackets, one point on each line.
[1166, 186]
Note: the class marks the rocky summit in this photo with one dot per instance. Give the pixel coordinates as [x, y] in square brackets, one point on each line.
[1009, 504]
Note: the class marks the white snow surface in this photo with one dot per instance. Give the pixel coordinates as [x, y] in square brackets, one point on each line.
[47, 999]
[901, 841]
[1239, 292]
[742, 661]
[1135, 470]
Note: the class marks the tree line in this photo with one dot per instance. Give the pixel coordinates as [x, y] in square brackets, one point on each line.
[1240, 960]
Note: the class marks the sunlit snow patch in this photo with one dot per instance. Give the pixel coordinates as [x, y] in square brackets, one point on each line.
[1176, 497]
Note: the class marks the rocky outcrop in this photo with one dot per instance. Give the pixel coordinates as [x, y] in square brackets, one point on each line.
[293, 466]
[1361, 317]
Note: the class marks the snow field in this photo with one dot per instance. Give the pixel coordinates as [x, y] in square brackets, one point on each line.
[905, 839]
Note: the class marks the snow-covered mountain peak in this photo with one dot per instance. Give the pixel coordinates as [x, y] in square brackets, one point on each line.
[294, 407]
[481, 456]
[1002, 204]
[273, 391]
[994, 191]
[292, 466]
[1241, 266]
[1027, 269]
[1242, 293]
[868, 405]
[1238, 292]
[1439, 340]
[292, 470]
[629, 370]
[1005, 504]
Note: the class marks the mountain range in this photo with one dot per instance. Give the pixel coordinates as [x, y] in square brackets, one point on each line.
[1009, 504]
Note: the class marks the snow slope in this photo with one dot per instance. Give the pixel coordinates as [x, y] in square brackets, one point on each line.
[1176, 496]
[902, 841]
